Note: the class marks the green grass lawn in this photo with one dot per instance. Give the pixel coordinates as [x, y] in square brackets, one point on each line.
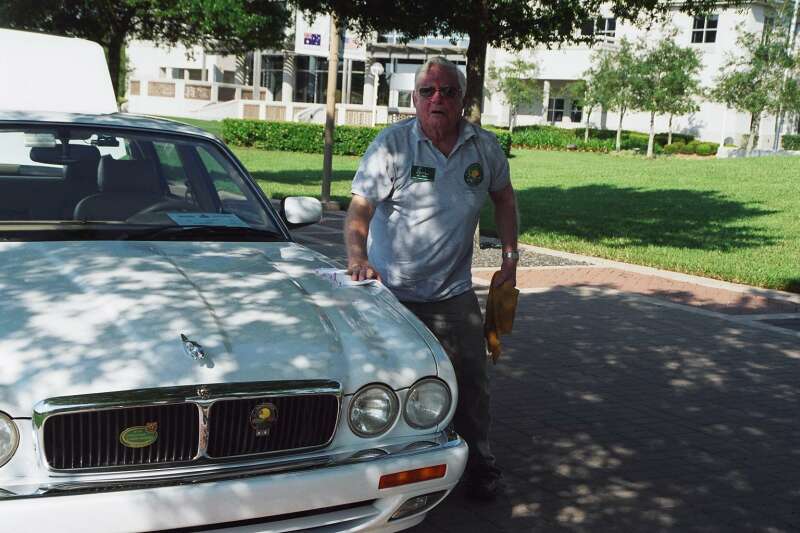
[737, 220]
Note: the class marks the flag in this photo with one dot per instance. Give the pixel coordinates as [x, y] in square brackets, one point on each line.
[313, 39]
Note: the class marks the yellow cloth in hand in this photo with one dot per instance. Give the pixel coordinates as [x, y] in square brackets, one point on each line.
[501, 306]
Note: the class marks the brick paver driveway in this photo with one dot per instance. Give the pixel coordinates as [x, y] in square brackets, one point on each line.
[615, 412]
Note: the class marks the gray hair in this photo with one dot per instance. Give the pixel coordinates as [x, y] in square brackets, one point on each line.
[444, 63]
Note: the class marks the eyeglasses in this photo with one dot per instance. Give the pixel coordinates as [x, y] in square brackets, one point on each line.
[446, 91]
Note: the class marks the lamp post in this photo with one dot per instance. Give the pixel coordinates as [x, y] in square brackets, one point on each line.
[376, 69]
[330, 115]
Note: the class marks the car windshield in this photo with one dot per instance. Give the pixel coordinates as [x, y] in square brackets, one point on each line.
[75, 183]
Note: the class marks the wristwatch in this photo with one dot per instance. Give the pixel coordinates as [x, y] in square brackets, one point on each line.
[514, 256]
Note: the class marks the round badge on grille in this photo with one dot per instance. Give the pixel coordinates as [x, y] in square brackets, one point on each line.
[262, 417]
[139, 436]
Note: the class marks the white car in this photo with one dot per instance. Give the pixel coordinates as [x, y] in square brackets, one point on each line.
[170, 358]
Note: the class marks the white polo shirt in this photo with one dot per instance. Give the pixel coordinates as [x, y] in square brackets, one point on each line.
[427, 206]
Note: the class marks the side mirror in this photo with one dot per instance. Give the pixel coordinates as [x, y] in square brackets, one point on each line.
[298, 211]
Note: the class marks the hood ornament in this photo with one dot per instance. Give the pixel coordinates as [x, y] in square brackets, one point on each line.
[192, 349]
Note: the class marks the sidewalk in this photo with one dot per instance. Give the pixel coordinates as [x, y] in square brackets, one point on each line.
[635, 400]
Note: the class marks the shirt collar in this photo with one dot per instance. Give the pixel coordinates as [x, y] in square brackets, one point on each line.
[466, 130]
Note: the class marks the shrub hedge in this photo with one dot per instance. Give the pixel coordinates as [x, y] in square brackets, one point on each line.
[555, 138]
[310, 138]
[692, 147]
[503, 137]
[354, 140]
[791, 142]
[296, 137]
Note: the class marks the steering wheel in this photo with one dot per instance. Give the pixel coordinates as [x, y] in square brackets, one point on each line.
[169, 205]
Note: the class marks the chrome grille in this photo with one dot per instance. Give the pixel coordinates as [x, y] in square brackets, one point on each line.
[92, 439]
[301, 422]
[195, 424]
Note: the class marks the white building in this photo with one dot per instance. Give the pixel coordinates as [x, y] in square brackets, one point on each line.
[292, 83]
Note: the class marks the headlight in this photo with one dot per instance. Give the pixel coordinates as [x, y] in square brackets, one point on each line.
[373, 410]
[427, 403]
[9, 438]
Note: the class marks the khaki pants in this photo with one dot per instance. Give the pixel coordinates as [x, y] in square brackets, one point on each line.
[458, 324]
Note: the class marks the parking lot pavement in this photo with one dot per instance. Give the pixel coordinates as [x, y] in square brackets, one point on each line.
[619, 409]
[612, 412]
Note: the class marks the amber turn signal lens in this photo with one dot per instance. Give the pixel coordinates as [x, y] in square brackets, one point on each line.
[412, 476]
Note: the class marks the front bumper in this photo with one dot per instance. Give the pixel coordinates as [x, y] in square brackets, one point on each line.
[338, 493]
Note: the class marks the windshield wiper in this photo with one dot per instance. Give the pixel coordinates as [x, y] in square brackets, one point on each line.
[202, 233]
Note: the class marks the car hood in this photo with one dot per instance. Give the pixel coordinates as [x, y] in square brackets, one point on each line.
[88, 317]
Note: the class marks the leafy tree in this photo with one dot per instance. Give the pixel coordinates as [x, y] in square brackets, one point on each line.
[587, 92]
[517, 81]
[665, 80]
[755, 81]
[226, 26]
[577, 92]
[511, 25]
[612, 78]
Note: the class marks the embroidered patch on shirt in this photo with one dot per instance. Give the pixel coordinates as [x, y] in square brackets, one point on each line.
[419, 173]
[474, 174]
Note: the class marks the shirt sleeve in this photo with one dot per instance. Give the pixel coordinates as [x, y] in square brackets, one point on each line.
[501, 175]
[374, 179]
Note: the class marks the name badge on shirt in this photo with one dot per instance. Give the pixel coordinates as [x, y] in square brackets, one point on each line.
[419, 174]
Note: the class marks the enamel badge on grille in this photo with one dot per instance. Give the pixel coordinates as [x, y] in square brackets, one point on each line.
[139, 436]
[262, 417]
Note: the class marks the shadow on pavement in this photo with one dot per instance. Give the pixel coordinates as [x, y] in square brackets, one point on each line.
[614, 414]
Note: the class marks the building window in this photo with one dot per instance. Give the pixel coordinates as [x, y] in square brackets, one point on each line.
[194, 74]
[228, 76]
[555, 110]
[576, 113]
[272, 75]
[311, 80]
[383, 85]
[357, 82]
[704, 29]
[604, 28]
[404, 98]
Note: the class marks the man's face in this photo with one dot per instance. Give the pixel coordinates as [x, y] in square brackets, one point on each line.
[438, 112]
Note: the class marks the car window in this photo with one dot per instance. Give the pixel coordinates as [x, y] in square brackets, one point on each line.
[171, 168]
[103, 177]
[15, 156]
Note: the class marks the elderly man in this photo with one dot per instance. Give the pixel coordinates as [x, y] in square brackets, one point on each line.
[416, 200]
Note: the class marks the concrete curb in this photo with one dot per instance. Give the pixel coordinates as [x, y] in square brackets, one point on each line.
[676, 276]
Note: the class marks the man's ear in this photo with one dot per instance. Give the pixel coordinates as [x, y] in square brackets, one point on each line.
[414, 98]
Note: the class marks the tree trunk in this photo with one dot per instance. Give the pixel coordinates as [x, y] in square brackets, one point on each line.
[619, 129]
[754, 121]
[586, 129]
[512, 118]
[473, 99]
[651, 138]
[476, 63]
[115, 46]
[330, 114]
[669, 130]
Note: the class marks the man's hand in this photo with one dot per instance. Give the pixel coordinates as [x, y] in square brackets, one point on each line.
[505, 217]
[361, 270]
[508, 272]
[356, 229]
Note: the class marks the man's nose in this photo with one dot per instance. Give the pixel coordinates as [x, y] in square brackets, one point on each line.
[437, 96]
